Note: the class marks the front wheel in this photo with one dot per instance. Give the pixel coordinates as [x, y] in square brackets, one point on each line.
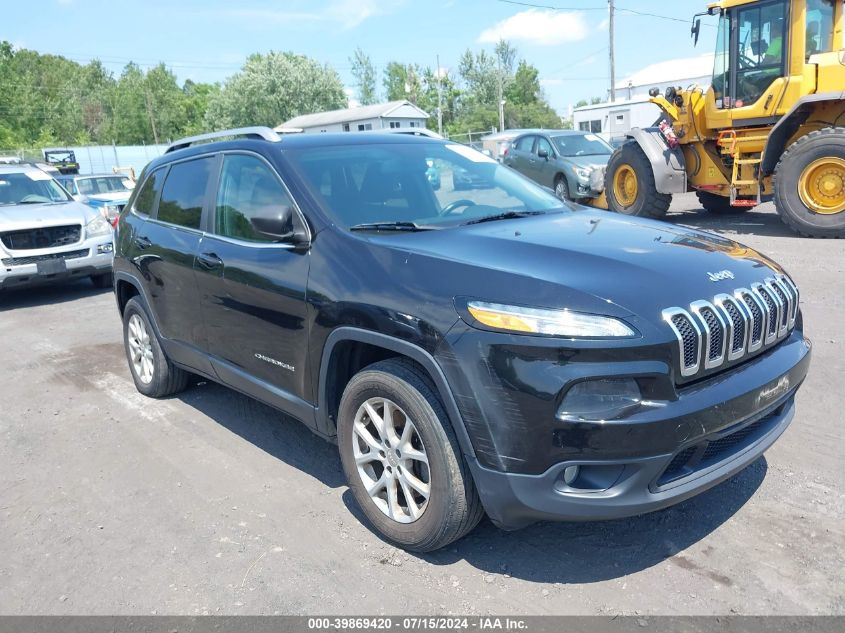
[629, 183]
[562, 188]
[402, 459]
[809, 184]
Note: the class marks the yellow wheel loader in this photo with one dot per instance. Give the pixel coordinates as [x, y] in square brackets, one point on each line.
[771, 125]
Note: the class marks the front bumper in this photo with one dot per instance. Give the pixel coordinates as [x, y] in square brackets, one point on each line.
[20, 269]
[701, 434]
[514, 501]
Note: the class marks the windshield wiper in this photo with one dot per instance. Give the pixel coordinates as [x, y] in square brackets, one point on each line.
[507, 215]
[390, 226]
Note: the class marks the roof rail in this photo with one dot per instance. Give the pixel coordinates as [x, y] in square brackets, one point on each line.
[249, 132]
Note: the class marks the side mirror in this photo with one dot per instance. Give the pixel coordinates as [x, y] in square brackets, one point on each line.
[275, 222]
[543, 153]
[695, 30]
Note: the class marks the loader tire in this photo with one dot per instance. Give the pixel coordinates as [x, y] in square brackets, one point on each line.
[629, 183]
[718, 205]
[809, 184]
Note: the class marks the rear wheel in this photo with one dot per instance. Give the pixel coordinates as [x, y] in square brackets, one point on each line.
[718, 205]
[629, 184]
[402, 460]
[102, 281]
[153, 373]
[809, 184]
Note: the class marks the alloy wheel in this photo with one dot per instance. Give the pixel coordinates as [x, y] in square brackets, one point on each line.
[140, 349]
[391, 460]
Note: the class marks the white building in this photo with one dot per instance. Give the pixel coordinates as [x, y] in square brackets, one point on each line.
[380, 116]
[632, 107]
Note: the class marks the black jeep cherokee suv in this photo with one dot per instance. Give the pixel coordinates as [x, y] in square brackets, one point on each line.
[489, 350]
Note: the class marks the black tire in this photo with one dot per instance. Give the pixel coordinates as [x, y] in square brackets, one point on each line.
[102, 281]
[453, 507]
[648, 201]
[828, 142]
[562, 188]
[167, 379]
[718, 205]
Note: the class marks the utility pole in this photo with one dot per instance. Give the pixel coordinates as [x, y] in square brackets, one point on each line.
[152, 117]
[439, 99]
[611, 11]
[501, 95]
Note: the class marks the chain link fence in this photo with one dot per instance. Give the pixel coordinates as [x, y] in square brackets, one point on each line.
[95, 159]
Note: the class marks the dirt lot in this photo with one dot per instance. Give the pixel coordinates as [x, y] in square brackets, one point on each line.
[211, 503]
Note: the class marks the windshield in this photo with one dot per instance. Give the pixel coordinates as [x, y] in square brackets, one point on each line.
[101, 184]
[30, 187]
[582, 145]
[428, 184]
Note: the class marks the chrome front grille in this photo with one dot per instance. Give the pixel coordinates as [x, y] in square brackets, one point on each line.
[733, 325]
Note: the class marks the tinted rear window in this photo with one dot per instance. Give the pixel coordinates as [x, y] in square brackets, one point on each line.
[184, 193]
[149, 192]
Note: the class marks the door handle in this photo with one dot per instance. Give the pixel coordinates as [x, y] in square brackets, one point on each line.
[209, 261]
[143, 243]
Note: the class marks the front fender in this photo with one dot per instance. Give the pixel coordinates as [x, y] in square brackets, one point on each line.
[668, 164]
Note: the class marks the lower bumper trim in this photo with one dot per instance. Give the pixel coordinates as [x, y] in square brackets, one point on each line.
[513, 500]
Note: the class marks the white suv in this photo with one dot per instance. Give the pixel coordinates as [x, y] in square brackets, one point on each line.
[45, 236]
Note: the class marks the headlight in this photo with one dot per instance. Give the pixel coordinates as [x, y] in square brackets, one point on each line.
[602, 399]
[583, 172]
[98, 226]
[551, 322]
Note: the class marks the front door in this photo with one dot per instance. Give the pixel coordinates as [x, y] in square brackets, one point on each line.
[253, 288]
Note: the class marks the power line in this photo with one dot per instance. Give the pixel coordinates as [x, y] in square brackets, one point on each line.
[534, 5]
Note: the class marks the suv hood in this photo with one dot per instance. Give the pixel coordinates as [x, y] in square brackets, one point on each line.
[588, 261]
[23, 216]
[119, 197]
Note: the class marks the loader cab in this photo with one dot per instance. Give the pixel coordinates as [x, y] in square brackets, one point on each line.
[760, 62]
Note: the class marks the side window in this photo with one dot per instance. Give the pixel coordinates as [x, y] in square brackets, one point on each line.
[761, 41]
[248, 189]
[525, 144]
[148, 193]
[819, 27]
[543, 143]
[184, 192]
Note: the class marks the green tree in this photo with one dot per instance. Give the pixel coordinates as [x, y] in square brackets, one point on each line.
[365, 77]
[272, 88]
[403, 81]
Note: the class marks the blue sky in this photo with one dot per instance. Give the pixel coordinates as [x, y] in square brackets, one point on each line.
[207, 40]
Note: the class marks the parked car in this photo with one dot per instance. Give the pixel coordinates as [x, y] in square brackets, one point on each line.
[108, 193]
[563, 160]
[46, 236]
[499, 352]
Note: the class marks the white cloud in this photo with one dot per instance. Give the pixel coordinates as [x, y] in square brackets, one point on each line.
[544, 28]
[350, 97]
[603, 25]
[550, 82]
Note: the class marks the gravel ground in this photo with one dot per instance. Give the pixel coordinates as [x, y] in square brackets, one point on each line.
[111, 503]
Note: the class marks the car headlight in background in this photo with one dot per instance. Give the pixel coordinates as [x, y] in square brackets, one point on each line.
[97, 226]
[600, 399]
[583, 172]
[549, 322]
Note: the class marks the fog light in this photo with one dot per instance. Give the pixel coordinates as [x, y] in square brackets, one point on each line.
[601, 399]
[570, 474]
[102, 249]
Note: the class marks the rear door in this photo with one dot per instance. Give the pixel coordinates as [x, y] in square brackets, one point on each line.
[253, 288]
[520, 156]
[167, 245]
